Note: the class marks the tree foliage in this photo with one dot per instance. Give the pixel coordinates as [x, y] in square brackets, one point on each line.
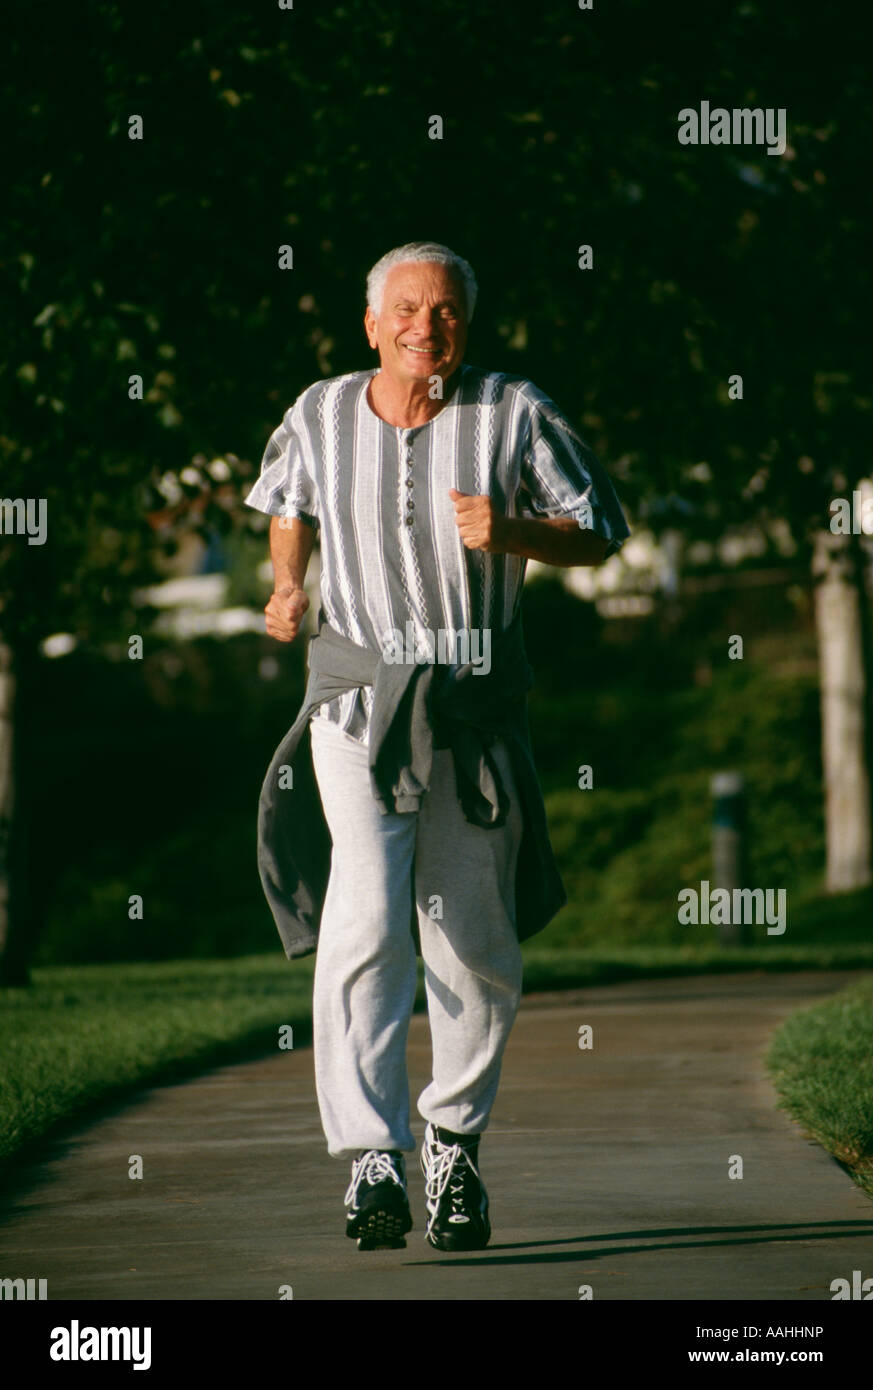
[308, 127]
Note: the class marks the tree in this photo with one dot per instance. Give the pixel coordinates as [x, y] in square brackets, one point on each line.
[159, 257]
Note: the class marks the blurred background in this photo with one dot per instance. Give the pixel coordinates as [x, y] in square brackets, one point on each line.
[158, 259]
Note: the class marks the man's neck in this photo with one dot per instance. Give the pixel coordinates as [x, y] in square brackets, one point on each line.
[406, 405]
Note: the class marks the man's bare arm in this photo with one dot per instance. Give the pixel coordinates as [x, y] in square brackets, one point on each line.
[552, 540]
[291, 543]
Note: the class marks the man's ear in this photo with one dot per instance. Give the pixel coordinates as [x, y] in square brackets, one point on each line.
[370, 326]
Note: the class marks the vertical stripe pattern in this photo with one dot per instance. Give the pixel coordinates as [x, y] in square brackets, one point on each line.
[391, 553]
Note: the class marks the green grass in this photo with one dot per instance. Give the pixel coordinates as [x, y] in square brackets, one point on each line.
[83, 1036]
[92, 1033]
[567, 968]
[821, 1060]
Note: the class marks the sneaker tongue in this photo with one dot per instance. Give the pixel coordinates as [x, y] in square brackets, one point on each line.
[466, 1141]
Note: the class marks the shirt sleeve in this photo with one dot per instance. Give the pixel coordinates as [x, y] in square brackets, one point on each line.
[560, 476]
[285, 487]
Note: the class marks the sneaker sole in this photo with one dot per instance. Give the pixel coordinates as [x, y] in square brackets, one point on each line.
[451, 1244]
[380, 1230]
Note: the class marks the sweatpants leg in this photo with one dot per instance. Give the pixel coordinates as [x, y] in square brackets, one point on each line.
[465, 900]
[365, 968]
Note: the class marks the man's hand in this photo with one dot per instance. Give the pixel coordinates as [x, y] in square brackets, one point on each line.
[479, 522]
[551, 540]
[285, 613]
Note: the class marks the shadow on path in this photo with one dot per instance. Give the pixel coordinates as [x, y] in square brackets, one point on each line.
[803, 1231]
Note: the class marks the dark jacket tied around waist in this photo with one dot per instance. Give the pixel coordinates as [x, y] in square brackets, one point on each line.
[416, 708]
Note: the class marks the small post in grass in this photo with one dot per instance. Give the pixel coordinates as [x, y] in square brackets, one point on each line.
[729, 846]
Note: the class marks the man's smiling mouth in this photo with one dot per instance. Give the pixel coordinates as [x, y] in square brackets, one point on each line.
[432, 352]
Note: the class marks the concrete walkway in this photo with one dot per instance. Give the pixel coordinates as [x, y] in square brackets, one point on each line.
[606, 1167]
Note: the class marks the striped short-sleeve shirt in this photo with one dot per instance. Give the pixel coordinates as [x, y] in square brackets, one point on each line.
[391, 552]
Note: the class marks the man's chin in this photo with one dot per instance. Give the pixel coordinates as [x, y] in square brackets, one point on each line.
[423, 371]
[415, 361]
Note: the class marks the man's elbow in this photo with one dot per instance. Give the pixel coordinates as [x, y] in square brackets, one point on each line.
[592, 551]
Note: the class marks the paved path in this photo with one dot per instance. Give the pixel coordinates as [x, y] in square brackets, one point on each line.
[606, 1167]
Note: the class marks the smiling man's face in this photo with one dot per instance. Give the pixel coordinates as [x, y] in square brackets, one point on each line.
[421, 328]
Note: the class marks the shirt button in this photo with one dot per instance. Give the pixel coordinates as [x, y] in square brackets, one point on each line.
[409, 482]
[409, 521]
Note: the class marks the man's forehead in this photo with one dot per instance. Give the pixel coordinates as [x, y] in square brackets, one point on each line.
[428, 276]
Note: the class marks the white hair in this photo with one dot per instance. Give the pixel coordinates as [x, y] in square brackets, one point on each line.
[420, 251]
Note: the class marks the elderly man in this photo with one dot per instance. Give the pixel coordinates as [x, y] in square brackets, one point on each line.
[431, 484]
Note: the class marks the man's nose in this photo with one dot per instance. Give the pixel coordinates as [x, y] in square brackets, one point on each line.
[427, 320]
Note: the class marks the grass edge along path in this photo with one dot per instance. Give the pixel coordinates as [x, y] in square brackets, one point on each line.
[86, 1036]
[821, 1062]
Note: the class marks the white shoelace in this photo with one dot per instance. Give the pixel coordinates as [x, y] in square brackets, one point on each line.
[375, 1166]
[440, 1170]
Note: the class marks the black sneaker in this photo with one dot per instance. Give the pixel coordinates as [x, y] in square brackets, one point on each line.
[379, 1214]
[457, 1203]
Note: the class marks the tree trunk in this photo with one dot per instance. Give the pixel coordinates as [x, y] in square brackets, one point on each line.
[14, 887]
[843, 644]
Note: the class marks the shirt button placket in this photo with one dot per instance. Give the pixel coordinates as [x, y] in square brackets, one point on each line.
[410, 505]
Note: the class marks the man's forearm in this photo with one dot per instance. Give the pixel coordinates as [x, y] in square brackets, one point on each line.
[552, 540]
[291, 543]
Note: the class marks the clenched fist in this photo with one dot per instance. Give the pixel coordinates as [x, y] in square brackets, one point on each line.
[285, 613]
[479, 522]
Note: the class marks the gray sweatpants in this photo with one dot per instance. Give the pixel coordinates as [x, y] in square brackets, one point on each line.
[462, 880]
